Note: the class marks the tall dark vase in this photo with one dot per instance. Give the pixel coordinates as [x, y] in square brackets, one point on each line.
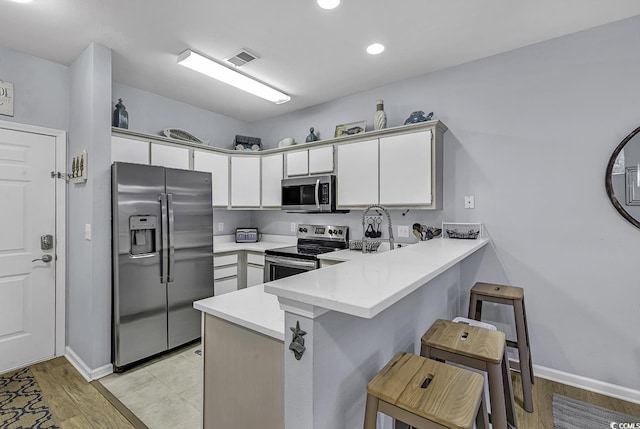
[120, 116]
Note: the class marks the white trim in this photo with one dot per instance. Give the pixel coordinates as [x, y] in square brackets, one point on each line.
[300, 308]
[84, 370]
[61, 203]
[585, 383]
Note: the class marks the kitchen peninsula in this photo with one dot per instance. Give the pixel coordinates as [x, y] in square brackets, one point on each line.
[356, 315]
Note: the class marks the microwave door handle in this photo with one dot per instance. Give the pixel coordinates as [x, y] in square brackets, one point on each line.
[165, 238]
[172, 244]
[317, 194]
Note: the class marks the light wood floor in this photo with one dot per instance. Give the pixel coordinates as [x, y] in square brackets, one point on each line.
[79, 405]
[543, 390]
[74, 401]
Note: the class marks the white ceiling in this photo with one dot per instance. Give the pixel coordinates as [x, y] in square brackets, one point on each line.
[312, 54]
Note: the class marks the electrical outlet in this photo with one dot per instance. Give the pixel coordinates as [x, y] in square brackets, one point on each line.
[87, 231]
[403, 230]
[293, 227]
[220, 226]
[469, 202]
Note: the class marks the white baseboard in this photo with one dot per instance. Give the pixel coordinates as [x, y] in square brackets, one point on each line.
[84, 370]
[585, 383]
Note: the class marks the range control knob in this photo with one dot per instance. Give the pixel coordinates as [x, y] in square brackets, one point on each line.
[299, 229]
[332, 231]
[340, 231]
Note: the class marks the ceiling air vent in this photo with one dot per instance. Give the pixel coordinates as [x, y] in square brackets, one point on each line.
[242, 58]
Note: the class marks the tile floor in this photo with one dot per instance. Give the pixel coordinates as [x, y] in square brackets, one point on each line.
[165, 392]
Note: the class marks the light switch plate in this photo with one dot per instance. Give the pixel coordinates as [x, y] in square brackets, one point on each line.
[220, 226]
[87, 231]
[293, 227]
[469, 202]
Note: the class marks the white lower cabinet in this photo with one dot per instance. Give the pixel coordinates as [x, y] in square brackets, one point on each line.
[225, 273]
[255, 275]
[223, 286]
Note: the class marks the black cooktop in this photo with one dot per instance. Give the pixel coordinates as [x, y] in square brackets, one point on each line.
[309, 252]
[314, 240]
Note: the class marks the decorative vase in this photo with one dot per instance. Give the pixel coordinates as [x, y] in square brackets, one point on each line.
[312, 137]
[380, 118]
[120, 116]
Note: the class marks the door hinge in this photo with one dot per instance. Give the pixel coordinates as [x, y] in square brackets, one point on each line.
[60, 175]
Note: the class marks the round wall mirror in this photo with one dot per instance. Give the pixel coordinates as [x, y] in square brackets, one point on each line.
[622, 179]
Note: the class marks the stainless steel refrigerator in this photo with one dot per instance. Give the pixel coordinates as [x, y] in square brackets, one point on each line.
[162, 242]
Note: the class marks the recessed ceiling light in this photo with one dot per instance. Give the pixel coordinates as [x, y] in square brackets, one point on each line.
[375, 49]
[328, 4]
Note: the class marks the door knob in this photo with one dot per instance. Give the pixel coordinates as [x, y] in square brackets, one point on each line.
[45, 258]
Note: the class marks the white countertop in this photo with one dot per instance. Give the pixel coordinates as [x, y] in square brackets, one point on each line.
[251, 308]
[370, 283]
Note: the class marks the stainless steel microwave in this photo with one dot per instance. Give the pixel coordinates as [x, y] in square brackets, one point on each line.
[311, 194]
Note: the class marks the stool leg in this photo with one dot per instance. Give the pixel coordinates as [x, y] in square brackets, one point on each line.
[482, 420]
[523, 352]
[475, 307]
[370, 412]
[508, 392]
[526, 330]
[496, 393]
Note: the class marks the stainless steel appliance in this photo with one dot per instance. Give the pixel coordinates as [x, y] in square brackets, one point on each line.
[162, 244]
[312, 241]
[309, 194]
[247, 235]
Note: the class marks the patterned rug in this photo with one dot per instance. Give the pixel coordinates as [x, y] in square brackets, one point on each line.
[570, 413]
[21, 403]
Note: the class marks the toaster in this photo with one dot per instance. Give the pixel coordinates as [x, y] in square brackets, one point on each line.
[247, 235]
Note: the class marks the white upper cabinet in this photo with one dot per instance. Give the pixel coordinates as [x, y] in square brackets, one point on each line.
[169, 156]
[405, 169]
[218, 165]
[357, 176]
[129, 150]
[321, 160]
[245, 181]
[272, 168]
[298, 163]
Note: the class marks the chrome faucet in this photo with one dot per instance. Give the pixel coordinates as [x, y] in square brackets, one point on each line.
[376, 207]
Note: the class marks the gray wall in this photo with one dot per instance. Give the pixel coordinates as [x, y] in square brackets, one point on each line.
[530, 135]
[89, 262]
[151, 113]
[41, 89]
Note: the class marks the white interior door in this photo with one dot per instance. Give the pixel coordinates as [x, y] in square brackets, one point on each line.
[27, 287]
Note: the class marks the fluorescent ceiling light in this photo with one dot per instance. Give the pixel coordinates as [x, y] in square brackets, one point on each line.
[375, 49]
[22, 1]
[328, 4]
[231, 77]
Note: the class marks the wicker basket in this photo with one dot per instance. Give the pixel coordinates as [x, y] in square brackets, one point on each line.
[371, 246]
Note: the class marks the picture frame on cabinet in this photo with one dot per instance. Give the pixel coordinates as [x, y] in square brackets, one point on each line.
[350, 129]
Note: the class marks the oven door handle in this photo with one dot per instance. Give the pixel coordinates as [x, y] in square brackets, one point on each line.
[317, 194]
[291, 263]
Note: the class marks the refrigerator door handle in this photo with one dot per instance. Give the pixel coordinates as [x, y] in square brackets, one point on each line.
[165, 238]
[172, 247]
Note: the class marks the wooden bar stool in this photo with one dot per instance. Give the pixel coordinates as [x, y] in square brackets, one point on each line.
[513, 296]
[481, 349]
[426, 394]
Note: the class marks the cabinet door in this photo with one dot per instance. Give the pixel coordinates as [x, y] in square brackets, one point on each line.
[405, 169]
[272, 166]
[245, 181]
[357, 176]
[298, 163]
[129, 150]
[255, 275]
[321, 160]
[221, 287]
[218, 165]
[169, 156]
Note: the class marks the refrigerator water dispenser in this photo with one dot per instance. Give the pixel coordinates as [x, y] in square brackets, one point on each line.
[142, 230]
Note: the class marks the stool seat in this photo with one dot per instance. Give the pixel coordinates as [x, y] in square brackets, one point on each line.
[466, 340]
[440, 393]
[498, 291]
